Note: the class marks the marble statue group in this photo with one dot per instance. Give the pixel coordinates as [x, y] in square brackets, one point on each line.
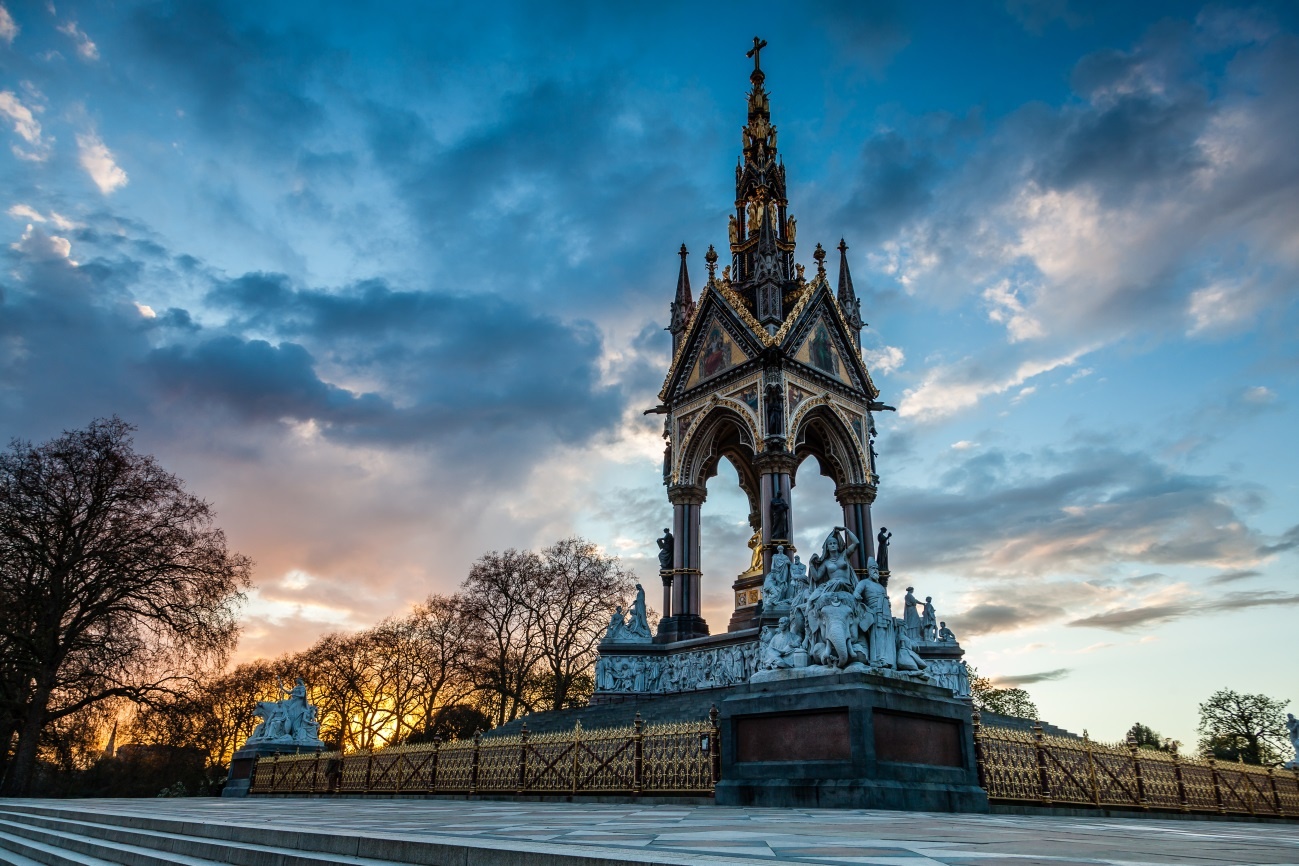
[632, 627]
[831, 620]
[291, 721]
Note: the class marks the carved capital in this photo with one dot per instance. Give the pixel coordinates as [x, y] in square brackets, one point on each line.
[855, 494]
[687, 494]
[775, 462]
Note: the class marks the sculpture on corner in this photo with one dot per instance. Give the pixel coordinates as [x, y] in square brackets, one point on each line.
[632, 627]
[666, 552]
[288, 722]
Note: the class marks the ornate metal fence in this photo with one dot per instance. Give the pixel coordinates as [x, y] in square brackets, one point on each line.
[1025, 767]
[681, 758]
[1040, 769]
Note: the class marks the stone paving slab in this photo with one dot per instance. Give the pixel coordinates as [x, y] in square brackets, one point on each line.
[720, 834]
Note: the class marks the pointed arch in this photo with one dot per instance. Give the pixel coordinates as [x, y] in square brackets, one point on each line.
[822, 432]
[726, 430]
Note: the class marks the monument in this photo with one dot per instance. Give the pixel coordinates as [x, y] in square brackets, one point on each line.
[288, 727]
[826, 697]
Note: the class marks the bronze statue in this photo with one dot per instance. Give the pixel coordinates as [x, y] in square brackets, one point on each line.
[666, 551]
[882, 548]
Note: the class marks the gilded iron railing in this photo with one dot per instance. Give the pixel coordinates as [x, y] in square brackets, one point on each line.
[639, 759]
[1037, 768]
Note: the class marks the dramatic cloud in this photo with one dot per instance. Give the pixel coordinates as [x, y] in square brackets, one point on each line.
[99, 163]
[1142, 617]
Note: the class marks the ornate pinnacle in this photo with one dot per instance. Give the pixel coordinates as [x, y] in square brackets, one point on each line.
[819, 255]
[755, 52]
[710, 258]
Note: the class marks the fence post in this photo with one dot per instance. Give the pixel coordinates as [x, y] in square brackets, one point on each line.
[1043, 777]
[1177, 774]
[523, 757]
[473, 769]
[1091, 769]
[976, 727]
[1136, 769]
[1217, 787]
[714, 745]
[437, 755]
[315, 774]
[1276, 795]
[638, 763]
[577, 739]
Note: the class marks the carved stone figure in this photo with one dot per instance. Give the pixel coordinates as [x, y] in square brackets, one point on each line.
[638, 625]
[775, 412]
[945, 634]
[666, 551]
[775, 589]
[911, 615]
[881, 538]
[928, 620]
[879, 613]
[908, 660]
[797, 575]
[779, 512]
[791, 224]
[617, 626]
[289, 721]
[832, 570]
[1292, 727]
[777, 647]
[733, 229]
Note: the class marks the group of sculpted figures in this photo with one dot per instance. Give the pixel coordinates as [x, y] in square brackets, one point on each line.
[836, 621]
[290, 721]
[632, 627]
[1292, 727]
[679, 672]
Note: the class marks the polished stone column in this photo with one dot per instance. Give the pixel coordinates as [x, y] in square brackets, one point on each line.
[685, 621]
[856, 500]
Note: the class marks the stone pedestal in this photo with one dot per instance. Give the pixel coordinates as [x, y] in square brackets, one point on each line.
[240, 778]
[857, 740]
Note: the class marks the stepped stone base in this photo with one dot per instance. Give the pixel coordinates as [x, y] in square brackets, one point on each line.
[852, 740]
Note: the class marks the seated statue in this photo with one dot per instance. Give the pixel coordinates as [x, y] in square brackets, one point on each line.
[945, 634]
[778, 647]
[775, 589]
[908, 660]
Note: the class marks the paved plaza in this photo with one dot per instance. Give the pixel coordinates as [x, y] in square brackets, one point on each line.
[650, 833]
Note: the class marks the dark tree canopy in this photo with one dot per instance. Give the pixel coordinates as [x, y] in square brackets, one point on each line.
[1007, 702]
[1249, 728]
[115, 583]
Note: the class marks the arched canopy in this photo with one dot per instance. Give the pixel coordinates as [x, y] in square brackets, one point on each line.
[821, 432]
[723, 432]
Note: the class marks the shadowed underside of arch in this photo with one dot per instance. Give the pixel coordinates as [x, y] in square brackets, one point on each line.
[823, 434]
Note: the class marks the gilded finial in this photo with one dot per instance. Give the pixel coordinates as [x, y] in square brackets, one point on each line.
[710, 258]
[819, 255]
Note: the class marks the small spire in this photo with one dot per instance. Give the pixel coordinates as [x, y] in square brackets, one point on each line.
[710, 259]
[819, 255]
[848, 301]
[683, 308]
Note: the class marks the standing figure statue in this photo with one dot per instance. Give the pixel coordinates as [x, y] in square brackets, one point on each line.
[666, 550]
[295, 707]
[755, 545]
[879, 612]
[1292, 727]
[779, 510]
[928, 620]
[911, 615]
[775, 411]
[775, 589]
[797, 575]
[882, 548]
[638, 625]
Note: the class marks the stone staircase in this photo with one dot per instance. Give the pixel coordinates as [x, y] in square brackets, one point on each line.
[65, 835]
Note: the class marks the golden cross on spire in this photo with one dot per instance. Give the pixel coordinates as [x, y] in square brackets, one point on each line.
[758, 45]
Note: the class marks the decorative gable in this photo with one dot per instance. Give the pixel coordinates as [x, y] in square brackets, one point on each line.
[820, 352]
[718, 352]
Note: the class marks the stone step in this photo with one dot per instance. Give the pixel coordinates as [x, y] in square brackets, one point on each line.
[57, 836]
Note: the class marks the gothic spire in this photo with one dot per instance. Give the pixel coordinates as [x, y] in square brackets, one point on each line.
[683, 308]
[847, 297]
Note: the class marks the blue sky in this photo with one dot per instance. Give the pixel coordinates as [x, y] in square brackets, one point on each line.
[387, 286]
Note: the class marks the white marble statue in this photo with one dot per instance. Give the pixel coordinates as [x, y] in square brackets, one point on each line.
[638, 624]
[945, 634]
[776, 586]
[797, 575]
[928, 620]
[1292, 726]
[911, 615]
[291, 721]
[617, 629]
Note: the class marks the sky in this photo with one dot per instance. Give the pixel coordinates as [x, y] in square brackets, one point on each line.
[387, 286]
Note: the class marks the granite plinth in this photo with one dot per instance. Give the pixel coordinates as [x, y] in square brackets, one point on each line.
[240, 777]
[848, 740]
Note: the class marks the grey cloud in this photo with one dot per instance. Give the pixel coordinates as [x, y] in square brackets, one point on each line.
[990, 618]
[1233, 576]
[1131, 618]
[1018, 680]
[1289, 540]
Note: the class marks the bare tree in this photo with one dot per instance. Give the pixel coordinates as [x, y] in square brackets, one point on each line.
[114, 581]
[503, 629]
[571, 600]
